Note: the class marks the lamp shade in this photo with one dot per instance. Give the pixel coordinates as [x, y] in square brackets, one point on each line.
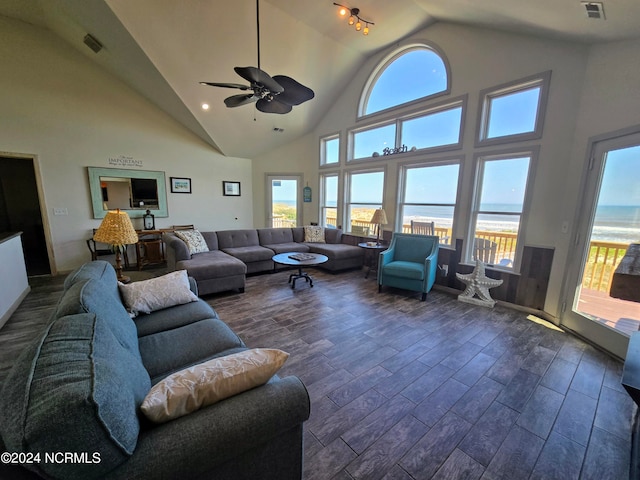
[116, 229]
[379, 217]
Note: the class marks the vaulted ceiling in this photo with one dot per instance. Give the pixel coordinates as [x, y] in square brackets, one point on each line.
[163, 48]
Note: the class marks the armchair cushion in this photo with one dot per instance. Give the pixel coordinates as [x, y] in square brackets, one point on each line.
[410, 270]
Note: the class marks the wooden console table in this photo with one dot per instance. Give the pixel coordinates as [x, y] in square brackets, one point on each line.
[626, 279]
[149, 249]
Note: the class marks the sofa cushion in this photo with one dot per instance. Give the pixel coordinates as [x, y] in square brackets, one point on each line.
[237, 238]
[314, 234]
[250, 254]
[410, 270]
[212, 264]
[288, 247]
[336, 251]
[209, 382]
[173, 317]
[88, 296]
[194, 240]
[271, 236]
[75, 389]
[165, 352]
[157, 293]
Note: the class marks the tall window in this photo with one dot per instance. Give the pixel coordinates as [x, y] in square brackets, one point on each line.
[498, 208]
[514, 111]
[413, 73]
[329, 200]
[364, 197]
[429, 195]
[330, 150]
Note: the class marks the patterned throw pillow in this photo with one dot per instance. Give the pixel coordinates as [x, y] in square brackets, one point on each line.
[194, 240]
[314, 234]
[157, 293]
[204, 384]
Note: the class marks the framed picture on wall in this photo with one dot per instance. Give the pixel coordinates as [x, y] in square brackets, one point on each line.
[180, 185]
[231, 189]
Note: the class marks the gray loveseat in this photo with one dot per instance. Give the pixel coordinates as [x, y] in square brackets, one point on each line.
[78, 387]
[221, 268]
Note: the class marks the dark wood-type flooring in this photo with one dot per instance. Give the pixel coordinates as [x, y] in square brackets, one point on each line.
[403, 389]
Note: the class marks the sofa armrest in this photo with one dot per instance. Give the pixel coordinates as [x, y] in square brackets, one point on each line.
[193, 285]
[176, 250]
[189, 446]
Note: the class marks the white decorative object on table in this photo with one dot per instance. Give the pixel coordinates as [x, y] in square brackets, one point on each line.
[477, 284]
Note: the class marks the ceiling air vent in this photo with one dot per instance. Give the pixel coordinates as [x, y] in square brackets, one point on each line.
[594, 9]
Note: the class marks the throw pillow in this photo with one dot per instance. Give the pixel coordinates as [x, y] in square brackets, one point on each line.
[314, 234]
[204, 384]
[194, 240]
[166, 291]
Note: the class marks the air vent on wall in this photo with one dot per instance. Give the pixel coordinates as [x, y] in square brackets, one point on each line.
[594, 10]
[91, 42]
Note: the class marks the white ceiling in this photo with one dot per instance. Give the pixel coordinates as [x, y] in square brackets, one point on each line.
[163, 48]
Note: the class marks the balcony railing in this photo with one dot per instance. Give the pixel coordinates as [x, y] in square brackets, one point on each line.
[604, 257]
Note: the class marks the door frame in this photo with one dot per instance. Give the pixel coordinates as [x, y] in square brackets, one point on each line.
[41, 199]
[269, 200]
[601, 335]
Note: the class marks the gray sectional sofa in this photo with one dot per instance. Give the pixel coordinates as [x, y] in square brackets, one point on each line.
[78, 387]
[234, 253]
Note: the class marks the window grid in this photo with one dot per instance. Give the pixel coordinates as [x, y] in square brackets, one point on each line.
[440, 210]
[330, 150]
[363, 201]
[329, 200]
[496, 232]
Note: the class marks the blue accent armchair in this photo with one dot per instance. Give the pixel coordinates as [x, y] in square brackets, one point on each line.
[410, 262]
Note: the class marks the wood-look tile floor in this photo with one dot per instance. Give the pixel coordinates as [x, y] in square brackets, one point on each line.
[403, 389]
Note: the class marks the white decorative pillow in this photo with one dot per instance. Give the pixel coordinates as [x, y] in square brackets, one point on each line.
[204, 384]
[314, 234]
[166, 291]
[194, 240]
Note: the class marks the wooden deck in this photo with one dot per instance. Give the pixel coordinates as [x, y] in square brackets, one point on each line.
[619, 314]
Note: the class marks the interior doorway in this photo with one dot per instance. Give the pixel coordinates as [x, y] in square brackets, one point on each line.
[20, 211]
[610, 223]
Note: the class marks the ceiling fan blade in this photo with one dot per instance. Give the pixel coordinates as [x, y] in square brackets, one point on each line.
[294, 92]
[255, 75]
[227, 85]
[273, 106]
[239, 100]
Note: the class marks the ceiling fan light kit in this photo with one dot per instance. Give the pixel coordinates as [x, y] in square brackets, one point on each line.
[354, 18]
[277, 94]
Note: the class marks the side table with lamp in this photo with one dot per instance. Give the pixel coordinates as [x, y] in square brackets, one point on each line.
[116, 230]
[373, 249]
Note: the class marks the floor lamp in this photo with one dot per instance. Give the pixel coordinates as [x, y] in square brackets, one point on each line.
[116, 230]
[379, 218]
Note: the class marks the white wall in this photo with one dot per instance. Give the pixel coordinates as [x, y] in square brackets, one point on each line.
[58, 105]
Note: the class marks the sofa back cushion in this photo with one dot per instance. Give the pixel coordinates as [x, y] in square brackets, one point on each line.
[333, 235]
[212, 240]
[75, 389]
[88, 296]
[298, 234]
[273, 236]
[237, 238]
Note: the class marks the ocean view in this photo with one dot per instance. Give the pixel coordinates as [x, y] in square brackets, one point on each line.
[612, 223]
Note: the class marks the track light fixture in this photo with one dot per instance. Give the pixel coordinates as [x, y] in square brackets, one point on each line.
[354, 18]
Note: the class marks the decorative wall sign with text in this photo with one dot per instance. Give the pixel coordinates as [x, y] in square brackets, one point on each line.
[124, 161]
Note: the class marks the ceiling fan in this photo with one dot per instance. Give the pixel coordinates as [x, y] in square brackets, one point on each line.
[277, 94]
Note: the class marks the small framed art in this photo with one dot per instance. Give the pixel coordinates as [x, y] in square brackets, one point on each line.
[180, 185]
[231, 189]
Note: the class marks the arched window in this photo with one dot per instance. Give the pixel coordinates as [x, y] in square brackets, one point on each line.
[413, 73]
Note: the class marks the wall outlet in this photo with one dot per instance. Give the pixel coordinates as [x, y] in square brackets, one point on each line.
[60, 211]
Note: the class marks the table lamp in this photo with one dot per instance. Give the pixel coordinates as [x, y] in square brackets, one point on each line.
[116, 230]
[379, 218]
